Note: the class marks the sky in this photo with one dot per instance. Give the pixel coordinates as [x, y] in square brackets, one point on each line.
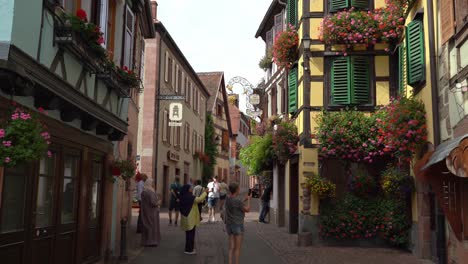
[218, 35]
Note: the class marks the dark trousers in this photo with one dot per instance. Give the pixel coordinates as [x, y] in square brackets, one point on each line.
[200, 209]
[139, 222]
[264, 211]
[189, 240]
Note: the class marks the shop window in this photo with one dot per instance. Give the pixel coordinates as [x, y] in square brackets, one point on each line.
[13, 199]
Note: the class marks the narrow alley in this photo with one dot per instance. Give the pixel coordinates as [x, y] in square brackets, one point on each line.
[263, 243]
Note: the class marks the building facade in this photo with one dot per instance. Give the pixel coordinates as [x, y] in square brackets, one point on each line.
[171, 151]
[274, 103]
[240, 138]
[217, 106]
[63, 208]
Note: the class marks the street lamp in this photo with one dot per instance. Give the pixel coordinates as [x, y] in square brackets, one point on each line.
[306, 46]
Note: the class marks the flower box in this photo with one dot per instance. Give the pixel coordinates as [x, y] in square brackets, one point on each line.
[73, 42]
[111, 78]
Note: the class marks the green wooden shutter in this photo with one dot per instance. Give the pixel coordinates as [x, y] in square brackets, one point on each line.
[415, 52]
[360, 82]
[292, 86]
[360, 4]
[340, 80]
[292, 12]
[336, 5]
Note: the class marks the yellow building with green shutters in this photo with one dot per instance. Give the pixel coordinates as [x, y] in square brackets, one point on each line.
[364, 77]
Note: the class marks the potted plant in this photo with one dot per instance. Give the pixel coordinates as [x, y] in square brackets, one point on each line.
[23, 138]
[266, 61]
[285, 47]
[323, 188]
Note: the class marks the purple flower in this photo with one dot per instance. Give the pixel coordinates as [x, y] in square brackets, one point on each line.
[7, 143]
[7, 160]
[49, 154]
[2, 133]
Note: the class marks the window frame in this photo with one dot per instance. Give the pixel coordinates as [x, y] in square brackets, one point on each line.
[328, 60]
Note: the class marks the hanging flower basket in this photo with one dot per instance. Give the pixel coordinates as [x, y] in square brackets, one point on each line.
[285, 47]
[285, 140]
[125, 168]
[23, 138]
[322, 187]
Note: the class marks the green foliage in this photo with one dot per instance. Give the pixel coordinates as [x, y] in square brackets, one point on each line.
[23, 138]
[258, 155]
[211, 150]
[127, 168]
[354, 217]
[266, 61]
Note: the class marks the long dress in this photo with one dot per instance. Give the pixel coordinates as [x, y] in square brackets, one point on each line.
[150, 235]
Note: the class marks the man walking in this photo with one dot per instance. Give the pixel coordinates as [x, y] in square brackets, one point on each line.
[174, 203]
[265, 204]
[139, 188]
[213, 196]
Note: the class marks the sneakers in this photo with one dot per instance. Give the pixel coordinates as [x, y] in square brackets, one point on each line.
[191, 253]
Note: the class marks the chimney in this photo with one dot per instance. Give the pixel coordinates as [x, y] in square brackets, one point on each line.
[154, 10]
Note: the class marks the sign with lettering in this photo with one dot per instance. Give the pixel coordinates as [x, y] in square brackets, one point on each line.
[254, 99]
[254, 113]
[175, 114]
[173, 156]
[171, 97]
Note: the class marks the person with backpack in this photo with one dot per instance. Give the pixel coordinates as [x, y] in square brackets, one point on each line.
[174, 203]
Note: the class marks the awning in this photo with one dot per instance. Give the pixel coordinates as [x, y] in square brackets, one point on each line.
[455, 153]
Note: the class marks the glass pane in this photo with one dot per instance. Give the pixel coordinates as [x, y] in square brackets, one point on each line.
[13, 198]
[95, 194]
[45, 192]
[69, 189]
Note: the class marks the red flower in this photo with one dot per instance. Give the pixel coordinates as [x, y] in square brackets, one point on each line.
[125, 68]
[81, 14]
[100, 40]
[41, 110]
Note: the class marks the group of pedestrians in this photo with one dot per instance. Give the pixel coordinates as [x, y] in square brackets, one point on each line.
[188, 199]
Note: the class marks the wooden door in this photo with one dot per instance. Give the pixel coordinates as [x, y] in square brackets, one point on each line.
[44, 217]
[94, 207]
[67, 210]
[293, 198]
[15, 213]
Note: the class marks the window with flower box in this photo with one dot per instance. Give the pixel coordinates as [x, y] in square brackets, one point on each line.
[350, 81]
[337, 5]
[415, 58]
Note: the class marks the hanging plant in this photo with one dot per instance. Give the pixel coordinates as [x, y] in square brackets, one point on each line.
[285, 47]
[285, 139]
[396, 183]
[23, 138]
[126, 168]
[266, 61]
[322, 187]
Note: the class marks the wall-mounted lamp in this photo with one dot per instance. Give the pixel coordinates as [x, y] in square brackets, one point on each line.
[306, 41]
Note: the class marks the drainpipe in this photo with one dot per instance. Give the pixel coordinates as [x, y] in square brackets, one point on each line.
[158, 103]
[440, 217]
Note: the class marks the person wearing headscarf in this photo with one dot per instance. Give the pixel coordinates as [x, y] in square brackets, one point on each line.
[150, 235]
[190, 218]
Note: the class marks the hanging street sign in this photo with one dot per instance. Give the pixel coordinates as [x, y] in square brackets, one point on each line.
[254, 99]
[171, 97]
[254, 113]
[175, 114]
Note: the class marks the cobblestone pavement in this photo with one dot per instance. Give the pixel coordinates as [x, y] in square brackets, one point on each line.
[263, 243]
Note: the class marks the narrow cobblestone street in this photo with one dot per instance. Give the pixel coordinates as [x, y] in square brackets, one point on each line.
[263, 243]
